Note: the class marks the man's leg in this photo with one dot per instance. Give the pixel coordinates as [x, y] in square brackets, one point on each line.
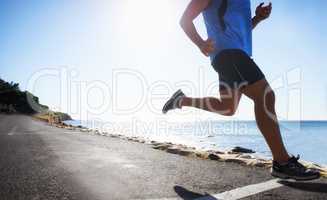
[226, 105]
[264, 107]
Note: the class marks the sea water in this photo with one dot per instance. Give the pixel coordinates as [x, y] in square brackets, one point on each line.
[306, 138]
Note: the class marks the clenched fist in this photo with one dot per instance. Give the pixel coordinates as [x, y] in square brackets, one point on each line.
[263, 12]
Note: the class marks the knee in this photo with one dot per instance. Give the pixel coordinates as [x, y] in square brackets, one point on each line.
[265, 97]
[224, 108]
[229, 111]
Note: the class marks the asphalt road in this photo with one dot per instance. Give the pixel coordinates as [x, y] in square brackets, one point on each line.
[42, 162]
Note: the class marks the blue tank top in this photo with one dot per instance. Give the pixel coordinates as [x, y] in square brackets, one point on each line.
[238, 31]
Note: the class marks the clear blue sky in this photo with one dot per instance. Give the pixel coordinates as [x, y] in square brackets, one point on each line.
[93, 38]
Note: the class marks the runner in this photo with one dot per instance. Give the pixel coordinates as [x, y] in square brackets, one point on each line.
[229, 26]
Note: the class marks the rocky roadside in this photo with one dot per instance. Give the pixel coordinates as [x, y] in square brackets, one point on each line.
[238, 155]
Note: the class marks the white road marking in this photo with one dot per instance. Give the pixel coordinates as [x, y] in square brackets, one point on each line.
[129, 166]
[72, 132]
[12, 131]
[246, 191]
[240, 192]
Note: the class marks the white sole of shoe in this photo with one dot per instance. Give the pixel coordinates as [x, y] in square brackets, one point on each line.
[297, 178]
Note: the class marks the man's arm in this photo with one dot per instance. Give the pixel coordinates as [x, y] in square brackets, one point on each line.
[192, 11]
[255, 21]
[261, 13]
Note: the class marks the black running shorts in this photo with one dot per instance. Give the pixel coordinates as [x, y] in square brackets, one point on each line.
[236, 69]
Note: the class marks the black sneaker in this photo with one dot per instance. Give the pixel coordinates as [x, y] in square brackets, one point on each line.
[173, 102]
[294, 170]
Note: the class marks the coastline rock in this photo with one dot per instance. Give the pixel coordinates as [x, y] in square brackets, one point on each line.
[162, 146]
[242, 150]
[173, 150]
[245, 156]
[185, 152]
[216, 152]
[263, 164]
[213, 157]
[236, 160]
[202, 155]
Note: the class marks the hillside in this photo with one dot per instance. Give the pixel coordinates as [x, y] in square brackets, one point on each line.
[13, 100]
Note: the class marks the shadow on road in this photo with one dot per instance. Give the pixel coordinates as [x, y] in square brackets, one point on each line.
[189, 195]
[306, 186]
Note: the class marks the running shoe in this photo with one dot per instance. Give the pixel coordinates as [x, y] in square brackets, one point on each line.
[173, 102]
[293, 169]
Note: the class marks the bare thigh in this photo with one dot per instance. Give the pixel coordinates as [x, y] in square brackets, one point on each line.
[258, 90]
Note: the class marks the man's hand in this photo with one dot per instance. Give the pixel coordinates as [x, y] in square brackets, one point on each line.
[263, 12]
[207, 47]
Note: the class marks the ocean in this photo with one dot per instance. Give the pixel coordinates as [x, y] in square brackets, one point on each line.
[306, 138]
